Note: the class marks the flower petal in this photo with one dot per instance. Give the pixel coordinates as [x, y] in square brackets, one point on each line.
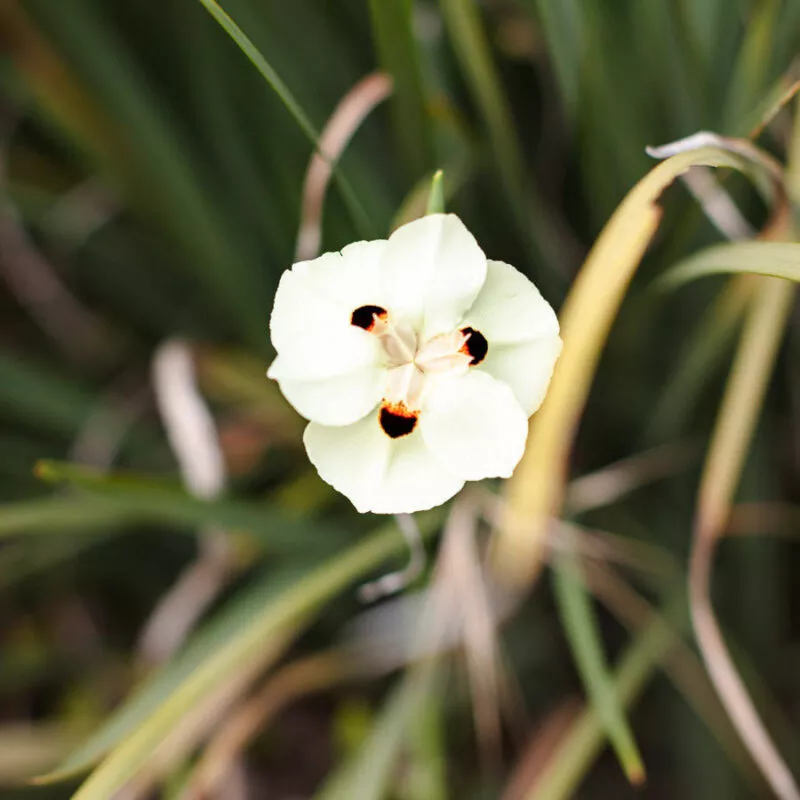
[433, 270]
[311, 325]
[474, 425]
[526, 367]
[522, 331]
[335, 400]
[330, 370]
[377, 473]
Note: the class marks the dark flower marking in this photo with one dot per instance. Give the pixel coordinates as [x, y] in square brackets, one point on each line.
[397, 420]
[364, 317]
[475, 346]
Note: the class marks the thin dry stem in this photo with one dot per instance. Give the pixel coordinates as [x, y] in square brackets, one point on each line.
[226, 748]
[726, 678]
[463, 575]
[351, 112]
[741, 405]
[717, 204]
[394, 582]
[764, 519]
[682, 665]
[543, 746]
[613, 482]
[191, 432]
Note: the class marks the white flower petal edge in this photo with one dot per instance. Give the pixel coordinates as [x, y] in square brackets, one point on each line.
[329, 370]
[336, 400]
[526, 368]
[379, 474]
[474, 425]
[522, 330]
[433, 270]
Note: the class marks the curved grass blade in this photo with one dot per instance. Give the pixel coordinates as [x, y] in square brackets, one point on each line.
[730, 442]
[581, 626]
[347, 118]
[357, 210]
[535, 492]
[776, 259]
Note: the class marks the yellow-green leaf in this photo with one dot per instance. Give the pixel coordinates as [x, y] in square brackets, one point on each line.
[777, 259]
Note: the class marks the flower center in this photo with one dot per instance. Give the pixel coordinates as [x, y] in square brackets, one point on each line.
[413, 363]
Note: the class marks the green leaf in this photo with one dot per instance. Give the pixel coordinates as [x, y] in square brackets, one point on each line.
[369, 772]
[153, 159]
[416, 202]
[561, 25]
[472, 49]
[239, 645]
[581, 745]
[22, 559]
[778, 259]
[32, 395]
[228, 624]
[753, 64]
[581, 627]
[436, 196]
[359, 214]
[535, 492]
[53, 515]
[392, 26]
[129, 497]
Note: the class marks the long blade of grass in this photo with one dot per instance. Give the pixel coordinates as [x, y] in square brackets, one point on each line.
[54, 515]
[240, 655]
[581, 626]
[368, 774]
[754, 61]
[276, 83]
[129, 497]
[562, 26]
[583, 743]
[311, 674]
[223, 629]
[392, 26]
[730, 442]
[472, 48]
[535, 492]
[153, 161]
[777, 259]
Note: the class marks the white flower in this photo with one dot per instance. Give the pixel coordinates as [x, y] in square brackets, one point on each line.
[417, 362]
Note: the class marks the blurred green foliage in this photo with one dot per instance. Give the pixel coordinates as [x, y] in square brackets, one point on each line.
[151, 188]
